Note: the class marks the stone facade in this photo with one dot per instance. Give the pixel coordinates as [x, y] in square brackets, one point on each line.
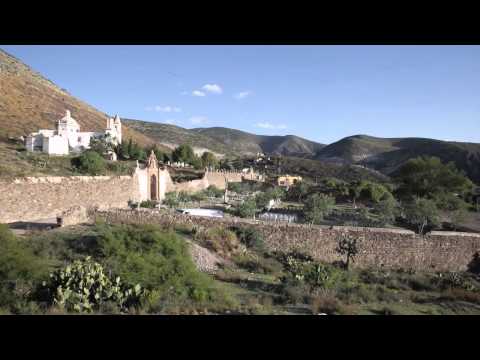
[388, 248]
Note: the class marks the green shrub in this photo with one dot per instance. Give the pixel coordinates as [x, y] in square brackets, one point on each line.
[213, 191]
[90, 162]
[149, 204]
[171, 199]
[250, 237]
[258, 264]
[219, 239]
[20, 270]
[158, 260]
[247, 209]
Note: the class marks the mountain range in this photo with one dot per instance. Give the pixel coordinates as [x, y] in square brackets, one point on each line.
[29, 101]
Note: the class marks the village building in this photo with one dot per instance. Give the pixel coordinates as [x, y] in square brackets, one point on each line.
[288, 180]
[68, 137]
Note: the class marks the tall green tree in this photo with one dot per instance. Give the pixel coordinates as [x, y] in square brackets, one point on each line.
[183, 153]
[429, 177]
[208, 159]
[317, 206]
[422, 212]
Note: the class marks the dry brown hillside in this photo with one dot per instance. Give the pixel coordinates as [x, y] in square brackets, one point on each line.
[29, 102]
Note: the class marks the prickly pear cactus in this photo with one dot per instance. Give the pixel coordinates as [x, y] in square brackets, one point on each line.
[83, 286]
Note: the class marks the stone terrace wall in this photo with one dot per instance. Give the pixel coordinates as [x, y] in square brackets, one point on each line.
[35, 198]
[437, 251]
[218, 178]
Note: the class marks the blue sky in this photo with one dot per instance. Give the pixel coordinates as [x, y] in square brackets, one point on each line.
[322, 93]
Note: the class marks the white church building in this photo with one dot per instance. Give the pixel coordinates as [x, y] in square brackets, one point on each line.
[67, 137]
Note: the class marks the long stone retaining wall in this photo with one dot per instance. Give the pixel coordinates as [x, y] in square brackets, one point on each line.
[35, 198]
[389, 248]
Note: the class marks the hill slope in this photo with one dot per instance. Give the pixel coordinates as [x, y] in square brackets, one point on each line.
[387, 154]
[29, 102]
[171, 136]
[248, 144]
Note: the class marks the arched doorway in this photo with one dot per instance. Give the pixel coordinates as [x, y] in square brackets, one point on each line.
[153, 188]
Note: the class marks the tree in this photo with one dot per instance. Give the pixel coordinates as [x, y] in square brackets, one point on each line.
[387, 210]
[458, 216]
[354, 190]
[208, 159]
[90, 162]
[101, 145]
[317, 207]
[298, 191]
[122, 150]
[456, 209]
[347, 245]
[422, 212]
[429, 177]
[183, 153]
[247, 209]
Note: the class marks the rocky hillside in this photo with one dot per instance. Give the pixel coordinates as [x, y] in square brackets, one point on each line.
[387, 154]
[29, 101]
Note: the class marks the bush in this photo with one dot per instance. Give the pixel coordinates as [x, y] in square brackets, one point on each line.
[90, 162]
[20, 270]
[171, 199]
[149, 204]
[247, 209]
[325, 302]
[158, 260]
[84, 287]
[250, 237]
[221, 240]
[213, 191]
[258, 264]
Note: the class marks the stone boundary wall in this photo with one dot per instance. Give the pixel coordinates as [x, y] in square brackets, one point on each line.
[36, 198]
[389, 248]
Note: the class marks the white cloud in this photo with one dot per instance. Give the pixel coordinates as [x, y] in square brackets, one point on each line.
[198, 93]
[169, 121]
[267, 125]
[242, 95]
[213, 88]
[166, 109]
[198, 120]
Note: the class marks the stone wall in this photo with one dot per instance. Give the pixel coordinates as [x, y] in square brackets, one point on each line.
[389, 248]
[35, 198]
[218, 178]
